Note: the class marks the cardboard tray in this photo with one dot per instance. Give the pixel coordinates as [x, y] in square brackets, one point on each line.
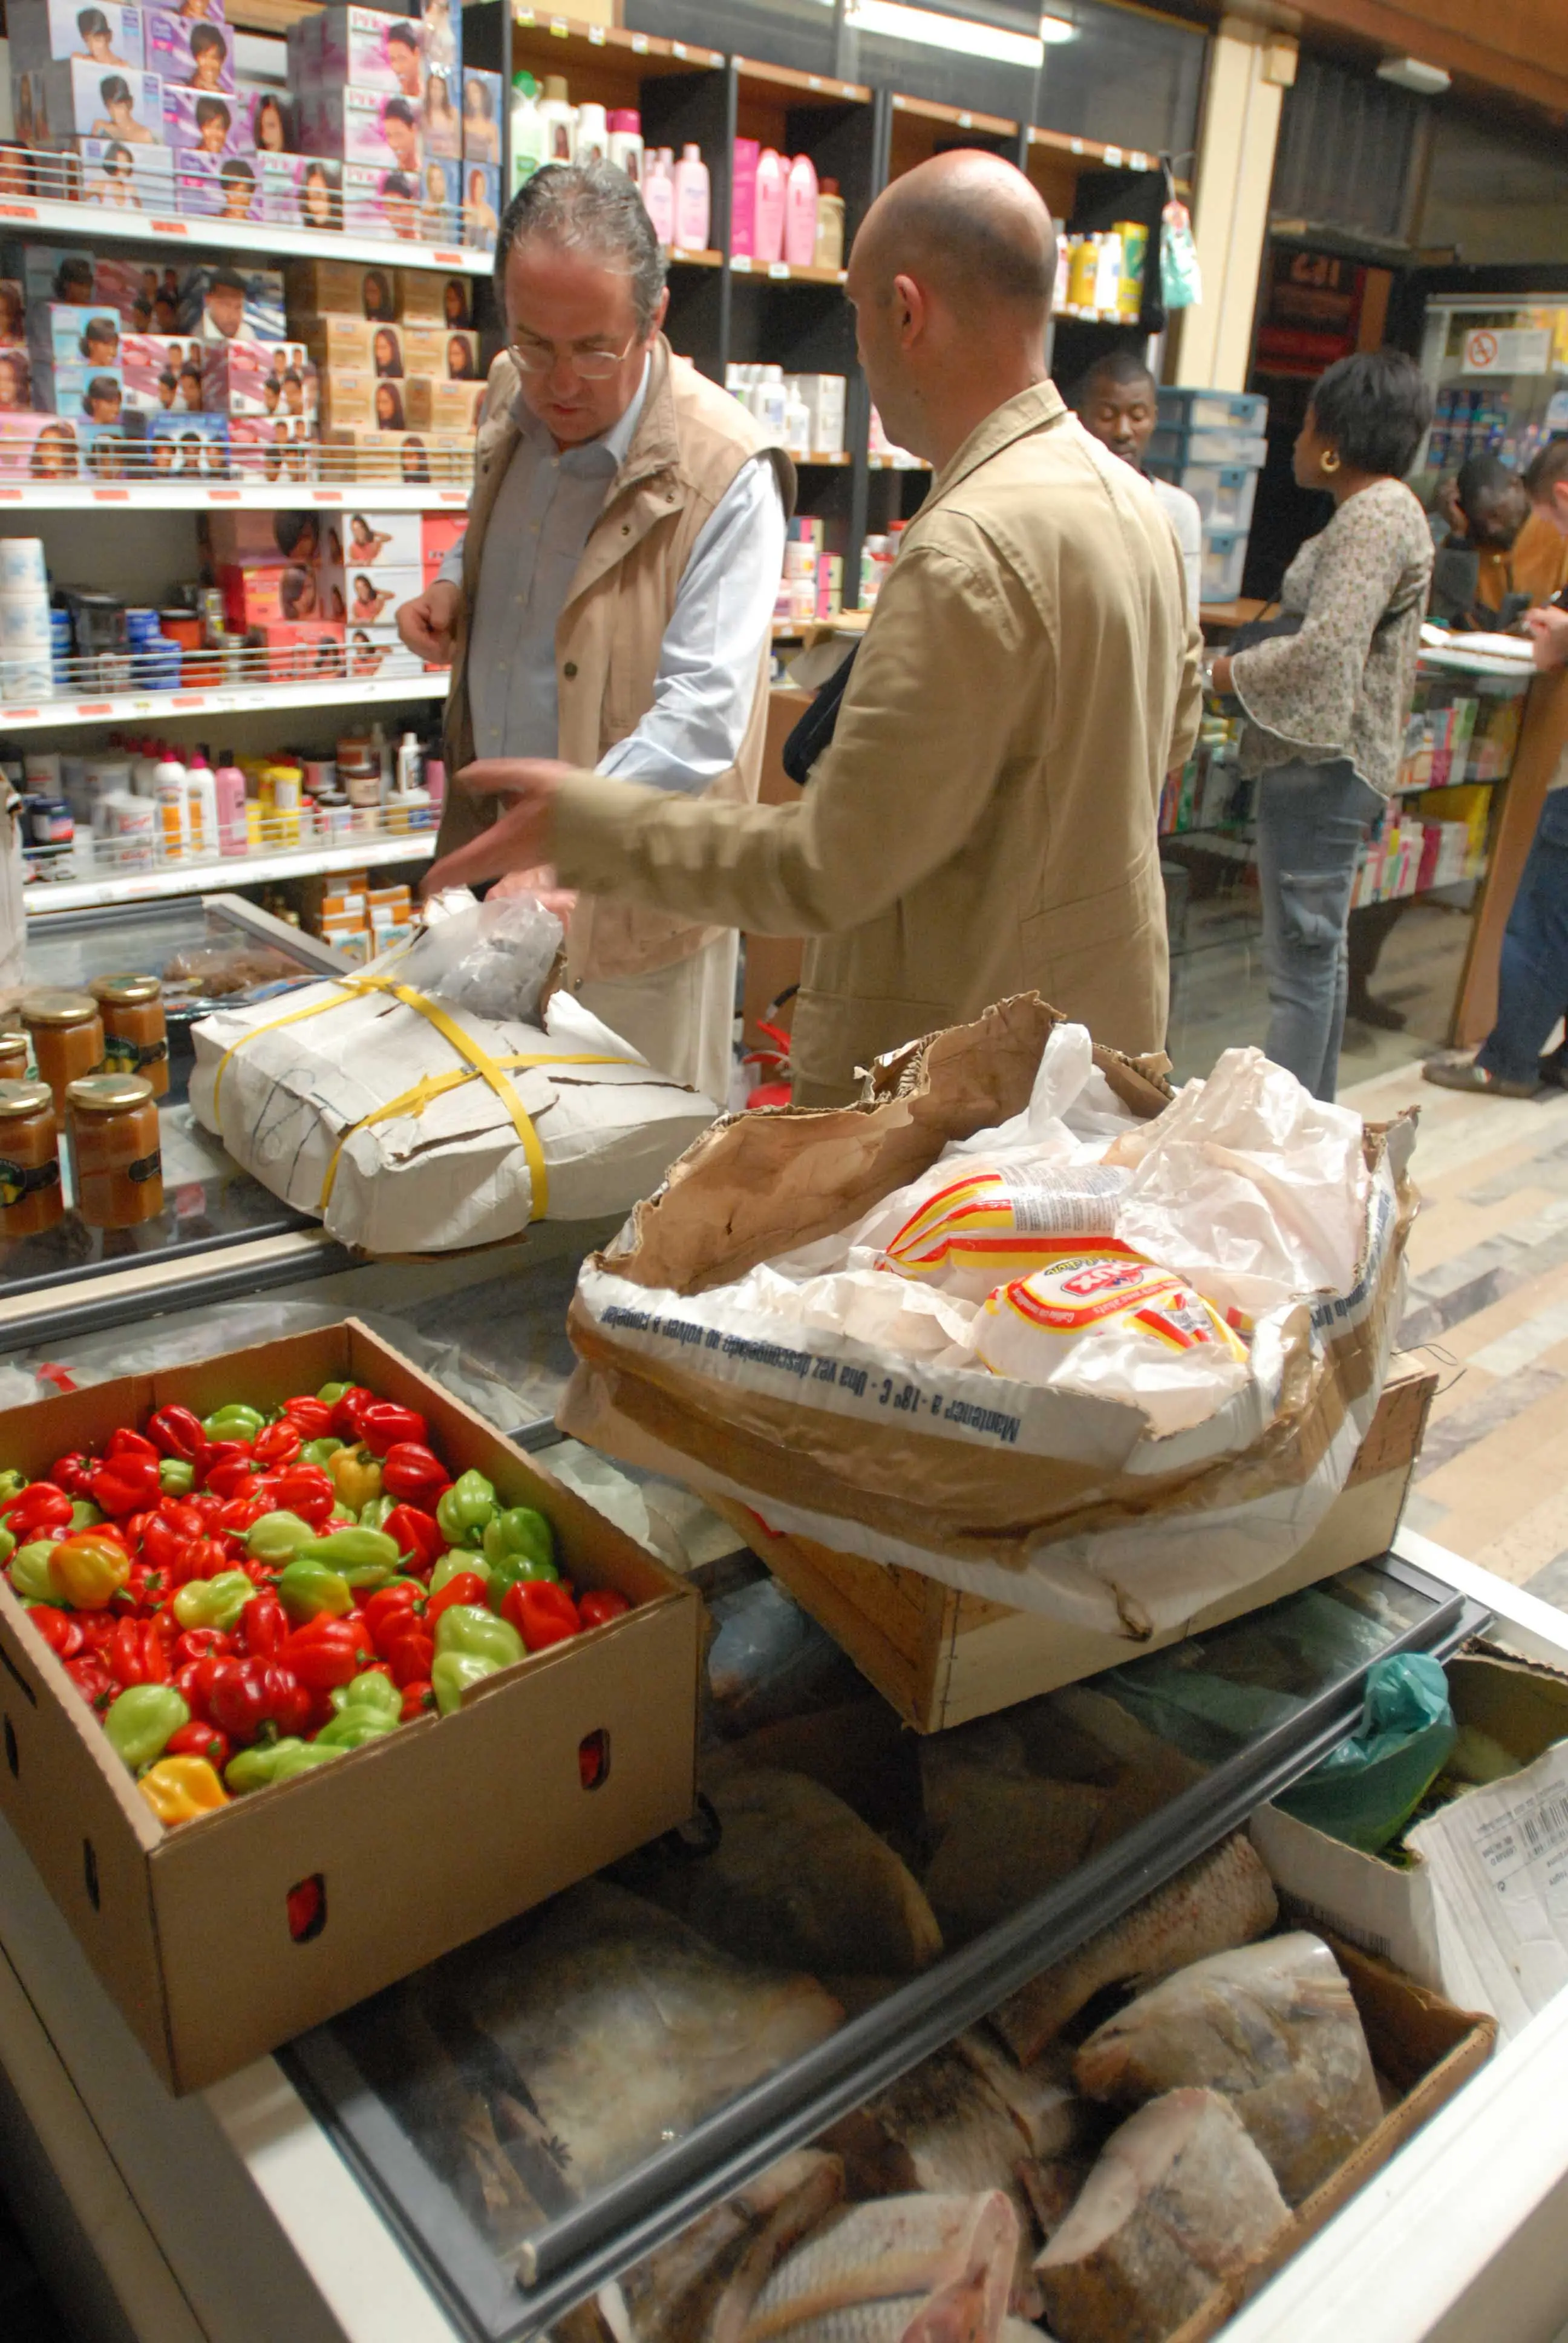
[422, 1840]
[1422, 2045]
[941, 1657]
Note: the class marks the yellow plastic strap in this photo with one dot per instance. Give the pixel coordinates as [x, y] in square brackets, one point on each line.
[434, 1086]
[293, 1017]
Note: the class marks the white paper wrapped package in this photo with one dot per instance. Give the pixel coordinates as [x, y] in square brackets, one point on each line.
[726, 1341]
[575, 1126]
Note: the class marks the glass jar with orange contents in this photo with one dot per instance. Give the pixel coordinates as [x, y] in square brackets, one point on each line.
[12, 1056]
[115, 1151]
[67, 1037]
[136, 1037]
[30, 1192]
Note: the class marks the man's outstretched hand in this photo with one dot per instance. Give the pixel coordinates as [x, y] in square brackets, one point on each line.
[520, 839]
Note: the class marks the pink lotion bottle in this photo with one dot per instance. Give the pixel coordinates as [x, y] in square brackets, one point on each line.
[743, 199]
[770, 229]
[692, 201]
[228, 787]
[800, 214]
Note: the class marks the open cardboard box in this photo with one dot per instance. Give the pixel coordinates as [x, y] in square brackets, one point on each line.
[421, 1840]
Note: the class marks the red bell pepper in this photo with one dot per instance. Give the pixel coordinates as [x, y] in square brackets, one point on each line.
[302, 1489]
[541, 1610]
[123, 1442]
[199, 1740]
[97, 1629]
[206, 1507]
[410, 1655]
[92, 1679]
[197, 1557]
[137, 1654]
[326, 1652]
[127, 1483]
[421, 1539]
[60, 1630]
[246, 1695]
[231, 1477]
[467, 1587]
[73, 1473]
[390, 1608]
[277, 1443]
[41, 1505]
[240, 1512]
[411, 1474]
[202, 1643]
[385, 1424]
[348, 1410]
[599, 1605]
[197, 1679]
[178, 1433]
[264, 1627]
[312, 1416]
[419, 1700]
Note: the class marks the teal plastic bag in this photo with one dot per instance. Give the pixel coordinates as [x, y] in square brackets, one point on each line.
[1365, 1791]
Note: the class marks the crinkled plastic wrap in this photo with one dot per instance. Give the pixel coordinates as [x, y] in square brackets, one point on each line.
[726, 1339]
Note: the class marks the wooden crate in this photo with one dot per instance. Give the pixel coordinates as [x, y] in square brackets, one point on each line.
[941, 1657]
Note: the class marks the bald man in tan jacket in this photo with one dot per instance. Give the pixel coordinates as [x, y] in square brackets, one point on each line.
[984, 821]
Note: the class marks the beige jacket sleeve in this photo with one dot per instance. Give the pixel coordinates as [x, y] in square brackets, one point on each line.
[949, 667]
[1189, 698]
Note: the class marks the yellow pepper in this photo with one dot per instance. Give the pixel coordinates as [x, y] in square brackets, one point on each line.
[178, 1789]
[356, 1475]
[89, 1570]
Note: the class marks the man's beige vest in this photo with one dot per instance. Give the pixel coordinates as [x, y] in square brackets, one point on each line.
[691, 440]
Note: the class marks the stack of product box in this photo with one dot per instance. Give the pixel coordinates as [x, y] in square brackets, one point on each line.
[382, 102]
[1412, 850]
[1213, 444]
[317, 589]
[398, 364]
[812, 586]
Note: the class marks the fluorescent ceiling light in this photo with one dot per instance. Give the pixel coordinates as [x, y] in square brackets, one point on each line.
[894, 22]
[1054, 30]
[1410, 73]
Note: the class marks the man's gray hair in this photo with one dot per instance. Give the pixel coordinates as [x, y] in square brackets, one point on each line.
[592, 209]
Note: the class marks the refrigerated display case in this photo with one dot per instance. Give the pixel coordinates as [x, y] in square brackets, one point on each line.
[1498, 368]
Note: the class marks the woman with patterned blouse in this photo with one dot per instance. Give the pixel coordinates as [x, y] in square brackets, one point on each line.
[1327, 705]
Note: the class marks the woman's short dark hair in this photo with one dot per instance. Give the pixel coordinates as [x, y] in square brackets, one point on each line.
[1375, 407]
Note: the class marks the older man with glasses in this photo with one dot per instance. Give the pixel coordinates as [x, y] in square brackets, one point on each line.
[610, 602]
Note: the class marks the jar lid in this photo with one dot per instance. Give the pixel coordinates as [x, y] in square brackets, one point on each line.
[58, 1007]
[11, 1041]
[24, 1098]
[124, 991]
[107, 1094]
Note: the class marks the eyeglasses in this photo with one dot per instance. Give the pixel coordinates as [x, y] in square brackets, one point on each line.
[589, 366]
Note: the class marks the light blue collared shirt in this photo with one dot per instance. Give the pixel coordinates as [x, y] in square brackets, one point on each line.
[542, 519]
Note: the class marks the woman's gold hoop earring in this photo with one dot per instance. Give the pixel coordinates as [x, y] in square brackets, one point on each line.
[1329, 461]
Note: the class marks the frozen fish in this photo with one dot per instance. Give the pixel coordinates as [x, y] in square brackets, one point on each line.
[1271, 2026]
[903, 2269]
[798, 1878]
[1008, 1841]
[624, 2028]
[700, 2287]
[1041, 2098]
[1225, 1898]
[1179, 2202]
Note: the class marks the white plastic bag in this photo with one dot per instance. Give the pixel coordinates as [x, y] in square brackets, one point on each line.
[491, 959]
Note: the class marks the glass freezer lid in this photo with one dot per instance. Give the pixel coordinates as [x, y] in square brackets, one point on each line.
[541, 2108]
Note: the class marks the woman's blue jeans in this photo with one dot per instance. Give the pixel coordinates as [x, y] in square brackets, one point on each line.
[1311, 820]
[1533, 976]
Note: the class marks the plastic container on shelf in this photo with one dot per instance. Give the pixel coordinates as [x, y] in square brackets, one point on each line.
[829, 248]
[626, 141]
[1224, 559]
[1224, 493]
[800, 199]
[560, 117]
[1172, 443]
[658, 192]
[591, 143]
[691, 201]
[768, 238]
[1210, 410]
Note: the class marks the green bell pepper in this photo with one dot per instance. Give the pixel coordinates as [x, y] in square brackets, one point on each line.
[84, 1514]
[31, 1575]
[452, 1672]
[11, 1484]
[176, 1478]
[316, 1451]
[307, 1586]
[365, 1557]
[465, 1507]
[454, 1562]
[214, 1602]
[353, 1726]
[277, 1537]
[478, 1635]
[7, 1547]
[330, 1393]
[521, 1534]
[373, 1516]
[140, 1721]
[234, 1422]
[372, 1690]
[277, 1761]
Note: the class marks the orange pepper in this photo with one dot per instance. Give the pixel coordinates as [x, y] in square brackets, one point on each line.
[178, 1789]
[89, 1570]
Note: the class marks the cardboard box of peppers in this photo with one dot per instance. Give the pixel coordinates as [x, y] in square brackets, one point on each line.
[241, 1597]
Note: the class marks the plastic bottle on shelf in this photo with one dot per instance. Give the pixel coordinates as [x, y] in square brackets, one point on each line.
[592, 141]
[1059, 295]
[800, 214]
[144, 768]
[743, 199]
[228, 790]
[1108, 274]
[560, 117]
[830, 246]
[381, 749]
[768, 400]
[201, 804]
[1083, 260]
[528, 130]
[410, 761]
[692, 201]
[626, 141]
[797, 424]
[174, 802]
[659, 192]
[768, 234]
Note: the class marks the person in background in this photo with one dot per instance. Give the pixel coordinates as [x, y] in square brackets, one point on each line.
[1472, 576]
[1118, 401]
[1533, 967]
[612, 598]
[983, 821]
[1327, 705]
